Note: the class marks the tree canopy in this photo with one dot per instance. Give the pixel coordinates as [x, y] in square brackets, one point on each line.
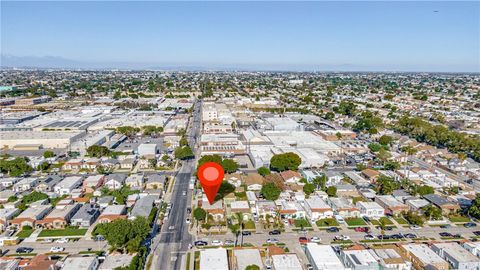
[184, 152]
[263, 171]
[15, 167]
[270, 191]
[286, 161]
[124, 234]
[98, 151]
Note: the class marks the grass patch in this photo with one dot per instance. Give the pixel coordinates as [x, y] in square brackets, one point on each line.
[342, 242]
[451, 238]
[374, 222]
[188, 261]
[327, 222]
[197, 260]
[437, 225]
[401, 221]
[249, 225]
[380, 241]
[24, 233]
[386, 221]
[355, 222]
[302, 223]
[62, 232]
[458, 219]
[22, 255]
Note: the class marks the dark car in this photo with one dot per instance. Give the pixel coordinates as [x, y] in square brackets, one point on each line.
[24, 250]
[189, 210]
[246, 233]
[200, 243]
[445, 234]
[384, 237]
[477, 233]
[303, 240]
[333, 229]
[410, 235]
[274, 232]
[469, 225]
[396, 236]
[446, 226]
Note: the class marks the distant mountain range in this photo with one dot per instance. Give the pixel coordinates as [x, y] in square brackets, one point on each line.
[56, 62]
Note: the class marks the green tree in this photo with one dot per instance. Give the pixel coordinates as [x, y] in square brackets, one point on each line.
[286, 161]
[308, 188]
[320, 181]
[229, 165]
[263, 171]
[225, 189]
[98, 151]
[128, 131]
[252, 267]
[33, 197]
[48, 154]
[270, 192]
[199, 214]
[385, 140]
[183, 141]
[432, 212]
[44, 166]
[414, 218]
[331, 191]
[210, 158]
[386, 185]
[424, 190]
[184, 152]
[368, 122]
[391, 165]
[474, 209]
[15, 167]
[374, 147]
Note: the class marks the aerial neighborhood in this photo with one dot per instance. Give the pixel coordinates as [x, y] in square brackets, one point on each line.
[98, 170]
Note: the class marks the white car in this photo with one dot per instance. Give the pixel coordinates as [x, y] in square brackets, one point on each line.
[217, 243]
[315, 239]
[57, 249]
[62, 241]
[272, 241]
[415, 227]
[187, 221]
[342, 237]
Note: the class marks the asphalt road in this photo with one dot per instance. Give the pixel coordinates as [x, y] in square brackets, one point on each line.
[173, 241]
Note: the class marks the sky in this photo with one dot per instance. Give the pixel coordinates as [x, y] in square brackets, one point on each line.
[356, 36]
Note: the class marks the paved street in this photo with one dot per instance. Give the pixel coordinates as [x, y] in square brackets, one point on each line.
[173, 241]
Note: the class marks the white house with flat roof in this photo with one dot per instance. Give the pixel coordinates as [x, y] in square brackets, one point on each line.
[286, 262]
[214, 259]
[458, 257]
[68, 184]
[370, 209]
[323, 257]
[246, 257]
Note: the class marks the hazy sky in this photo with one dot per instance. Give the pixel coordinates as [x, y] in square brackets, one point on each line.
[415, 36]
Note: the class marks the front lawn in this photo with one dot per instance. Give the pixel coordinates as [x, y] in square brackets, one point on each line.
[401, 221]
[249, 225]
[355, 222]
[301, 223]
[64, 232]
[386, 221]
[24, 233]
[458, 219]
[327, 222]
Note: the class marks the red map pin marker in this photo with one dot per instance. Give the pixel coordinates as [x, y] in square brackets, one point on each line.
[211, 177]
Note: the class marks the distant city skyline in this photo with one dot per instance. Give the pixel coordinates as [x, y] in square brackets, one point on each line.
[296, 36]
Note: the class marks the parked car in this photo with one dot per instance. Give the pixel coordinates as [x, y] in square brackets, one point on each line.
[315, 239]
[342, 237]
[62, 241]
[369, 237]
[24, 250]
[333, 229]
[384, 237]
[396, 236]
[309, 267]
[415, 227]
[274, 232]
[477, 233]
[57, 249]
[303, 240]
[469, 225]
[410, 235]
[446, 226]
[246, 233]
[217, 243]
[200, 243]
[445, 234]
[361, 229]
[229, 242]
[187, 221]
[272, 240]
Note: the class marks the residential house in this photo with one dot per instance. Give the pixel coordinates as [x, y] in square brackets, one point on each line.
[422, 257]
[265, 208]
[457, 256]
[291, 177]
[371, 175]
[234, 178]
[31, 216]
[73, 164]
[93, 182]
[113, 212]
[343, 207]
[48, 184]
[143, 207]
[216, 209]
[85, 216]
[128, 162]
[132, 199]
[68, 184]
[115, 181]
[370, 209]
[59, 217]
[90, 163]
[359, 259]
[447, 206]
[135, 181]
[290, 210]
[254, 181]
[8, 182]
[156, 181]
[391, 205]
[42, 262]
[317, 208]
[389, 258]
[80, 263]
[7, 214]
[242, 258]
[241, 207]
[25, 184]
